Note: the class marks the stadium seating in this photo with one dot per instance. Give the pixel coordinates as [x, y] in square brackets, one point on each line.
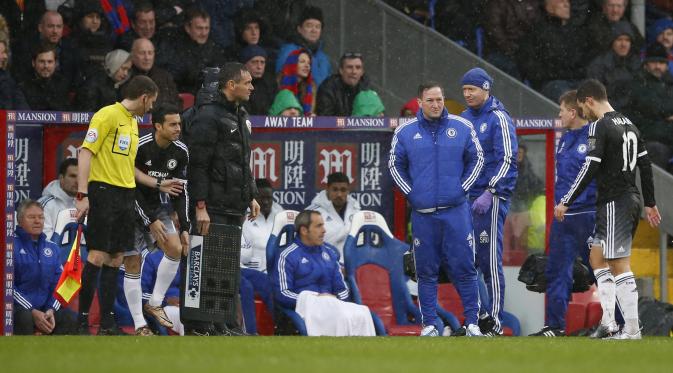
[187, 100]
[374, 272]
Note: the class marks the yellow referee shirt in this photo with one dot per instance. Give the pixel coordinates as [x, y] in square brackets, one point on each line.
[113, 139]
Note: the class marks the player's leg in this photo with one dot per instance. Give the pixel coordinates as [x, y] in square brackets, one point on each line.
[458, 250]
[559, 276]
[168, 267]
[626, 213]
[247, 303]
[427, 240]
[133, 290]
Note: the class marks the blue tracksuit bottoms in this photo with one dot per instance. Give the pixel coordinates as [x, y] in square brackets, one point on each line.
[445, 237]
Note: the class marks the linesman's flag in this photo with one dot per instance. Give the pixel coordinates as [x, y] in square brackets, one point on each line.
[70, 281]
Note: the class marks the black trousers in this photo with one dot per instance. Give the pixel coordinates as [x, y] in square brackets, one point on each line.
[24, 325]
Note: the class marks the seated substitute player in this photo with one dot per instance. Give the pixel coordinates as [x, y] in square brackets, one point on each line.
[615, 149]
[257, 232]
[309, 281]
[337, 208]
[568, 238]
[59, 195]
[162, 156]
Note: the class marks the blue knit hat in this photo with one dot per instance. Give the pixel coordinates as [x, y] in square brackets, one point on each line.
[479, 78]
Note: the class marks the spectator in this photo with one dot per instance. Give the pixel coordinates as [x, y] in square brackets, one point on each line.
[336, 94]
[662, 30]
[37, 268]
[368, 104]
[286, 105]
[257, 231]
[222, 18]
[309, 281]
[59, 195]
[410, 108]
[337, 208]
[142, 56]
[600, 27]
[505, 24]
[168, 13]
[104, 89]
[309, 30]
[11, 96]
[190, 51]
[91, 37]
[47, 89]
[251, 29]
[297, 78]
[50, 32]
[254, 59]
[651, 105]
[143, 25]
[22, 18]
[461, 29]
[616, 67]
[553, 57]
[282, 15]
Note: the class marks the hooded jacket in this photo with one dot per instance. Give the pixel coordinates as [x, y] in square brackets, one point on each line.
[37, 268]
[219, 165]
[284, 100]
[320, 65]
[498, 140]
[53, 200]
[368, 104]
[337, 228]
[435, 163]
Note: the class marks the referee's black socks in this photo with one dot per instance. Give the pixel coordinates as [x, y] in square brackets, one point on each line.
[108, 292]
[89, 285]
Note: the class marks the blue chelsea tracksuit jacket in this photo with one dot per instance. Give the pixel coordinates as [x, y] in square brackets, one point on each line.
[313, 268]
[37, 268]
[568, 238]
[497, 136]
[435, 163]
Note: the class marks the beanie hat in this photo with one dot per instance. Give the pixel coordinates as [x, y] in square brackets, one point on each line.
[620, 28]
[661, 25]
[311, 12]
[656, 53]
[114, 60]
[478, 78]
[367, 104]
[250, 52]
[284, 100]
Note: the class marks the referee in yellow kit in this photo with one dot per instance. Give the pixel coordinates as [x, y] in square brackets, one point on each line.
[106, 192]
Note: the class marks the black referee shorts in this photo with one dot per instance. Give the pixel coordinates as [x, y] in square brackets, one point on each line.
[616, 223]
[111, 219]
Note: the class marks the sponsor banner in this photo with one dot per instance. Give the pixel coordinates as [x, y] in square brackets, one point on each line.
[58, 117]
[27, 170]
[298, 165]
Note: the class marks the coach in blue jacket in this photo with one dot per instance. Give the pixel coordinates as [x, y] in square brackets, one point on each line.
[491, 193]
[435, 160]
[37, 268]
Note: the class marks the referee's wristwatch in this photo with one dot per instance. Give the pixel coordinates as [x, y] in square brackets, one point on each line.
[80, 196]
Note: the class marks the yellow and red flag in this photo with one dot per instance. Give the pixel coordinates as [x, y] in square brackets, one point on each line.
[70, 281]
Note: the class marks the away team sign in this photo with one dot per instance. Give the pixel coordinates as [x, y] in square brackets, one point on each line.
[297, 165]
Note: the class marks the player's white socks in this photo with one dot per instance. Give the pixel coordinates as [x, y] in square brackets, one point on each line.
[134, 298]
[165, 275]
[627, 294]
[606, 294]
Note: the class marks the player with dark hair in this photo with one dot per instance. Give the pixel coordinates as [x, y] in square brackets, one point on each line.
[162, 156]
[615, 150]
[59, 194]
[435, 160]
[568, 238]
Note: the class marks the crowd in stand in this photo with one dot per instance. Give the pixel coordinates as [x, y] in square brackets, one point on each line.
[78, 55]
[552, 45]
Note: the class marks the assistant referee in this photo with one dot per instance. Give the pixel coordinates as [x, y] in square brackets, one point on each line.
[106, 191]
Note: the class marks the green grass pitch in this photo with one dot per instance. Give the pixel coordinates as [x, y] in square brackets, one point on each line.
[344, 355]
